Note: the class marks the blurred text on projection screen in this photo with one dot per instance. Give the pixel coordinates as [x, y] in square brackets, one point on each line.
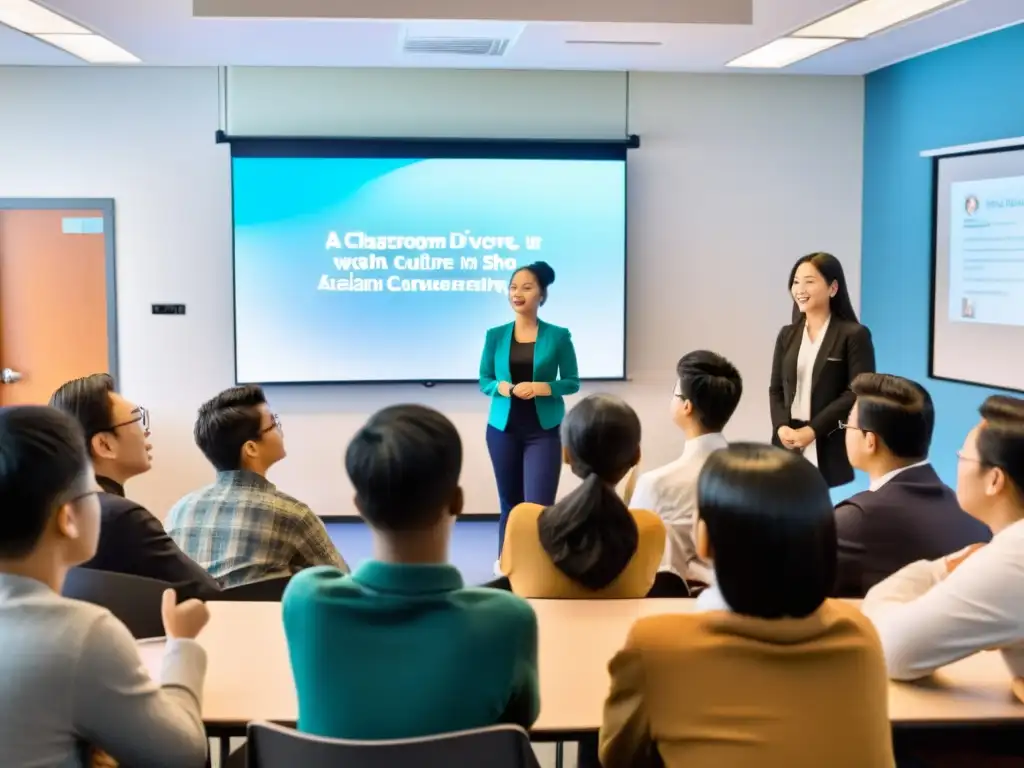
[978, 288]
[377, 269]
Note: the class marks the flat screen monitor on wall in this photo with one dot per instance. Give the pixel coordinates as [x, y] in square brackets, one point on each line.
[384, 261]
[978, 285]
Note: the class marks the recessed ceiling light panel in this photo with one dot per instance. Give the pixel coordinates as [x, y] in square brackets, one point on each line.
[32, 18]
[783, 52]
[868, 17]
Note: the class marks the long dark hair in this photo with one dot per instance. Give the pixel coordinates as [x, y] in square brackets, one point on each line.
[832, 270]
[772, 530]
[590, 534]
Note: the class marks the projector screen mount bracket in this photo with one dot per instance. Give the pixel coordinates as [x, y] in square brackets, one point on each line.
[630, 141]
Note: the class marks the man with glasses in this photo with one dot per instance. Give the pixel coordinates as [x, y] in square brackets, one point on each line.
[708, 390]
[132, 540]
[932, 613]
[242, 529]
[908, 513]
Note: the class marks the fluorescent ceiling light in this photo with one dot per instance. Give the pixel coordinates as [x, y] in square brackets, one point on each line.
[92, 48]
[870, 16]
[26, 16]
[783, 52]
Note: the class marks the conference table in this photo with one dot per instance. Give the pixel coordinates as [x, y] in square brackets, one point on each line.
[249, 676]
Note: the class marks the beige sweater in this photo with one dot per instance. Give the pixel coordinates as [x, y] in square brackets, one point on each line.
[532, 574]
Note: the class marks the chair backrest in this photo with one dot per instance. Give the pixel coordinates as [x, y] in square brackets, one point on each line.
[668, 584]
[500, 746]
[501, 583]
[268, 591]
[134, 600]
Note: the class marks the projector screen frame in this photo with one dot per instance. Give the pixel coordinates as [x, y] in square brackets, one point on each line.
[936, 157]
[427, 147]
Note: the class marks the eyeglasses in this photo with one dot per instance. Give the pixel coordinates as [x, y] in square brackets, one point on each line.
[843, 426]
[275, 425]
[973, 459]
[139, 416]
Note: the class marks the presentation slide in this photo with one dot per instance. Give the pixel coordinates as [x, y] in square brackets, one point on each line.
[979, 268]
[388, 269]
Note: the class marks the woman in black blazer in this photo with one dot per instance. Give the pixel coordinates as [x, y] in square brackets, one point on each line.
[816, 359]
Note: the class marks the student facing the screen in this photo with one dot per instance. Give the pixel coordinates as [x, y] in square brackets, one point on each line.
[400, 648]
[588, 544]
[242, 528]
[707, 392]
[932, 613]
[527, 368]
[767, 672]
[816, 358]
[132, 540]
[71, 680]
[908, 513]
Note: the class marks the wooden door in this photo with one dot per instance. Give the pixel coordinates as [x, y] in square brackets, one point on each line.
[53, 300]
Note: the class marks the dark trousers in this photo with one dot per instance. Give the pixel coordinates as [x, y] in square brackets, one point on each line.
[527, 465]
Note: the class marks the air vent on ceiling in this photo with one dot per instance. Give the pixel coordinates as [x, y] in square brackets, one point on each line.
[458, 46]
[614, 42]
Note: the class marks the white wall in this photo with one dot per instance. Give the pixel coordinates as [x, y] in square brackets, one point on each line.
[428, 103]
[737, 176]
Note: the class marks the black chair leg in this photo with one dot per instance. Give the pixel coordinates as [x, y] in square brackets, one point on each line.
[587, 756]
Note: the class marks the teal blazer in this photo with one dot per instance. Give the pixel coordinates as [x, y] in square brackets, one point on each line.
[554, 363]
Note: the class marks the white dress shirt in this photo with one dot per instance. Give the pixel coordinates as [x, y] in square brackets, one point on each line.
[927, 619]
[801, 408]
[876, 484]
[671, 493]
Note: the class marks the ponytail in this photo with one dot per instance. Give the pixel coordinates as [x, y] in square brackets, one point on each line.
[590, 535]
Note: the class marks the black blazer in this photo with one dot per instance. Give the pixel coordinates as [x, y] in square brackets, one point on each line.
[134, 542]
[914, 516]
[845, 351]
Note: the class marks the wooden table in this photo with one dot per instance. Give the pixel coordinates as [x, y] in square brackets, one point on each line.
[249, 675]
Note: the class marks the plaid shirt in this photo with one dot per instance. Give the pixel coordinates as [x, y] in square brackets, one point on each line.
[242, 529]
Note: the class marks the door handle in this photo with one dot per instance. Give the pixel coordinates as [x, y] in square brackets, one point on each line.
[9, 376]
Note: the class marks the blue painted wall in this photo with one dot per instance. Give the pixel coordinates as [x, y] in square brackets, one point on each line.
[966, 93]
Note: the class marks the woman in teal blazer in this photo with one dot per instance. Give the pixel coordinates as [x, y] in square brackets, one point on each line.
[527, 368]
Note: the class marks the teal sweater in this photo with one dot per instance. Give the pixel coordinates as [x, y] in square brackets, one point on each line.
[400, 651]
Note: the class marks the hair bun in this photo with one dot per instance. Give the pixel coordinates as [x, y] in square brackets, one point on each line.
[545, 274]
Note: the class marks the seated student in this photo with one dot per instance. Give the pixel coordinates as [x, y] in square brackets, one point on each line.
[71, 680]
[707, 392]
[589, 544]
[132, 540]
[419, 653]
[241, 528]
[908, 513]
[775, 675]
[932, 613]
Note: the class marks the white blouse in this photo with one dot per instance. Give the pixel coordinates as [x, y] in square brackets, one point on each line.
[801, 408]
